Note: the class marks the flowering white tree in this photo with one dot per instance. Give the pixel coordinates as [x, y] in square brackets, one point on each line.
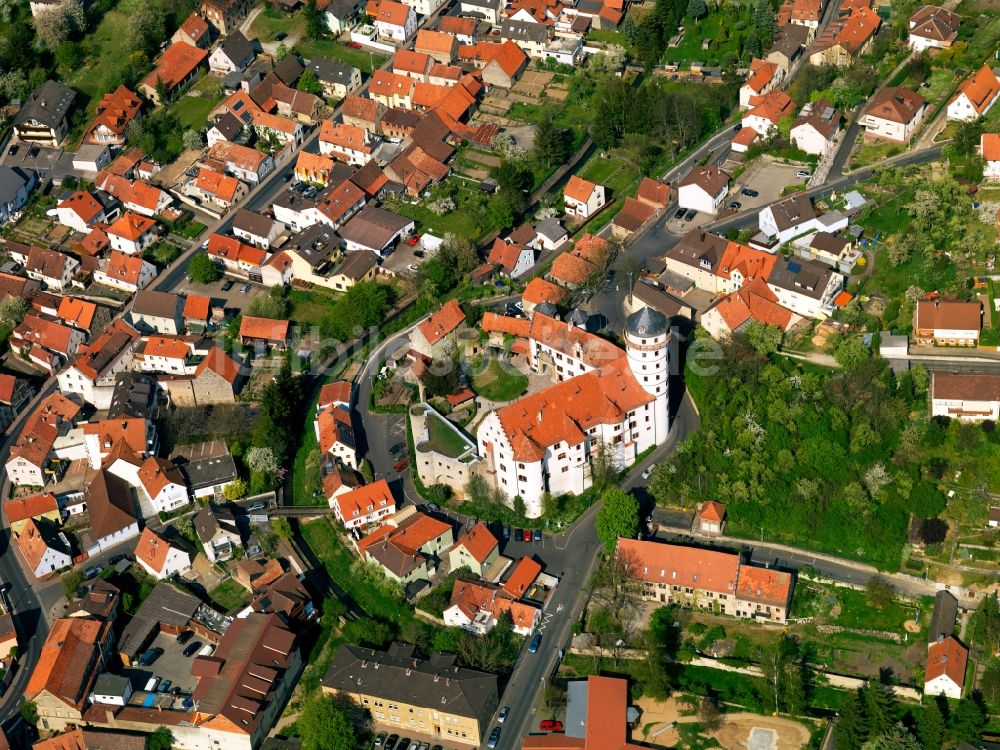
[441, 206]
[262, 460]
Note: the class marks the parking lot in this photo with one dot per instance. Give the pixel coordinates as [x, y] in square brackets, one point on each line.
[233, 299]
[48, 162]
[768, 178]
[171, 665]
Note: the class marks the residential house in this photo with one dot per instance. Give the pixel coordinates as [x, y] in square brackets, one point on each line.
[816, 127]
[135, 195]
[40, 507]
[15, 393]
[787, 45]
[583, 198]
[364, 505]
[127, 272]
[256, 229]
[946, 665]
[91, 158]
[178, 66]
[391, 90]
[804, 286]
[395, 21]
[159, 312]
[477, 607]
[346, 143]
[711, 517]
[966, 397]
[217, 379]
[227, 127]
[703, 189]
[216, 189]
[806, 13]
[247, 164]
[44, 548]
[707, 579]
[337, 78]
[115, 112]
[499, 64]
[234, 54]
[511, 258]
[933, 27]
[442, 700]
[376, 230]
[894, 114]
[436, 334]
[335, 435]
[766, 112]
[217, 529]
[339, 15]
[45, 342]
[16, 185]
[989, 149]
[462, 28]
[81, 209]
[237, 258]
[363, 112]
[163, 487]
[206, 467]
[477, 549]
[632, 217]
[159, 558]
[194, 30]
[93, 375]
[50, 267]
[530, 36]
[488, 10]
[764, 76]
[407, 553]
[947, 323]
[847, 38]
[416, 65]
[225, 15]
[132, 233]
[73, 655]
[197, 311]
[789, 217]
[43, 119]
[112, 512]
[976, 95]
[101, 438]
[264, 331]
[438, 45]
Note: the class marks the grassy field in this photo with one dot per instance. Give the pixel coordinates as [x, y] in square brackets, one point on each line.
[614, 172]
[309, 307]
[269, 23]
[872, 152]
[690, 47]
[463, 221]
[499, 383]
[228, 595]
[192, 111]
[444, 440]
[108, 53]
[359, 58]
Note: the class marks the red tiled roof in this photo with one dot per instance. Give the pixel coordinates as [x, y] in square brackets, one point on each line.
[20, 509]
[706, 569]
[764, 585]
[366, 499]
[990, 145]
[131, 226]
[222, 186]
[420, 530]
[949, 315]
[152, 549]
[570, 268]
[116, 110]
[539, 290]
[525, 573]
[478, 542]
[753, 301]
[447, 318]
[175, 65]
[579, 189]
[981, 88]
[83, 204]
[219, 362]
[949, 658]
[264, 328]
[392, 13]
[712, 511]
[197, 307]
[409, 61]
[435, 41]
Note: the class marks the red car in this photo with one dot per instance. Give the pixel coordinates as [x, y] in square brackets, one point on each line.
[401, 464]
[412, 241]
[354, 45]
[550, 725]
[527, 535]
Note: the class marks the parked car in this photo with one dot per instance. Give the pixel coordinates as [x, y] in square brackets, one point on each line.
[192, 648]
[506, 533]
[433, 507]
[424, 746]
[649, 471]
[92, 572]
[115, 559]
[803, 174]
[736, 205]
[184, 637]
[244, 289]
[679, 214]
[259, 505]
[380, 739]
[12, 150]
[227, 285]
[749, 192]
[494, 738]
[413, 267]
[33, 152]
[165, 686]
[402, 464]
[503, 714]
[413, 240]
[538, 535]
[390, 743]
[281, 36]
[404, 744]
[149, 656]
[690, 214]
[550, 725]
[357, 45]
[535, 643]
[418, 253]
[738, 127]
[527, 535]
[397, 450]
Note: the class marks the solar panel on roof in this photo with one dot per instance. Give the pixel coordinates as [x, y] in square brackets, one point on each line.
[794, 267]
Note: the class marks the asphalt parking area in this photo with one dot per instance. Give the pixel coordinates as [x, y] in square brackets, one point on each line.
[768, 178]
[171, 665]
[47, 161]
[233, 299]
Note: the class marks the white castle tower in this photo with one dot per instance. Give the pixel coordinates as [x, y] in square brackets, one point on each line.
[647, 343]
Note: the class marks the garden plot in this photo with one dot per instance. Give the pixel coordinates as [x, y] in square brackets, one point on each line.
[533, 83]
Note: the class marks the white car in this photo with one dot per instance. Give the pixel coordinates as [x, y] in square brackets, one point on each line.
[503, 714]
[413, 267]
[649, 471]
[803, 174]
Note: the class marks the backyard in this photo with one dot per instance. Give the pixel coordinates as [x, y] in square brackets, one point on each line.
[364, 61]
[499, 382]
[270, 22]
[467, 219]
[228, 595]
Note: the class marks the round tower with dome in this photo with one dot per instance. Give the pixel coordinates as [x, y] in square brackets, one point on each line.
[647, 344]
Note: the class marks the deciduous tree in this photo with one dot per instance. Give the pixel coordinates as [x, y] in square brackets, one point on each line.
[323, 725]
[618, 517]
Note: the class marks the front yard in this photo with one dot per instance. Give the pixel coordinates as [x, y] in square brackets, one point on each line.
[269, 23]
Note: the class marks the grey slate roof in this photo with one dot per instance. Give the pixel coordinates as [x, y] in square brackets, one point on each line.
[943, 619]
[330, 71]
[12, 180]
[524, 31]
[229, 125]
[133, 396]
[551, 229]
[48, 104]
[204, 464]
[397, 675]
[647, 322]
[357, 264]
[252, 222]
[374, 227]
[801, 275]
[238, 49]
[166, 604]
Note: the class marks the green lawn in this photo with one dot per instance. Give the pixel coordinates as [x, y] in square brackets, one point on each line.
[500, 382]
[359, 58]
[443, 439]
[109, 54]
[464, 221]
[324, 542]
[708, 27]
[873, 152]
[192, 111]
[228, 595]
[309, 307]
[269, 23]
